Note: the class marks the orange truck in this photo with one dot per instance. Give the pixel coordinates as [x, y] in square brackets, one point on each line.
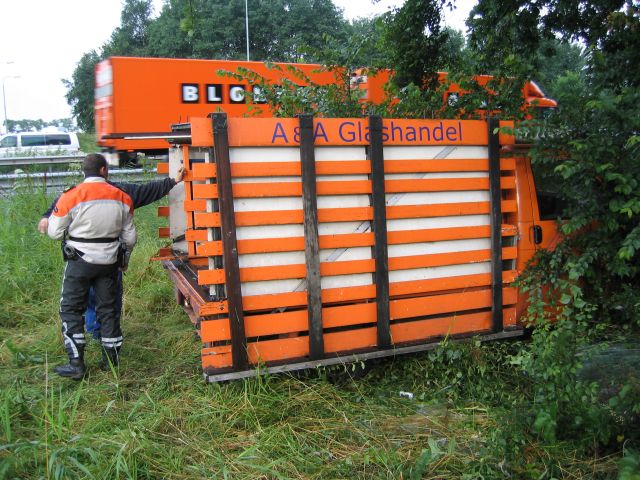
[137, 99]
[302, 242]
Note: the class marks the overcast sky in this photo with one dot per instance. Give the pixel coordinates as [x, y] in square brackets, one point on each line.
[45, 39]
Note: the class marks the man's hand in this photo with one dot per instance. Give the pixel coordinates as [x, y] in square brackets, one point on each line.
[180, 174]
[43, 225]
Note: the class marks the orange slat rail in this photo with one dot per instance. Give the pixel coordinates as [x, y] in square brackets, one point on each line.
[365, 292]
[162, 168]
[326, 215]
[195, 205]
[346, 240]
[196, 235]
[350, 187]
[349, 267]
[297, 347]
[357, 314]
[202, 171]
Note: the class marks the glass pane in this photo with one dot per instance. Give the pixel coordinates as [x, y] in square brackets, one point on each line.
[32, 140]
[9, 142]
[60, 139]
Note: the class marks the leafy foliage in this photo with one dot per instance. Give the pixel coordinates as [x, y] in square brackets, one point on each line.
[211, 29]
[80, 91]
[414, 39]
[28, 125]
[581, 293]
[588, 147]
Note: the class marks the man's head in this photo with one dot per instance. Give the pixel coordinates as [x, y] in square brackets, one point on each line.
[95, 165]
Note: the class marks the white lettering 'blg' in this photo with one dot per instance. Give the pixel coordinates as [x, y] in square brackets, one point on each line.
[236, 94]
[214, 93]
[258, 95]
[190, 93]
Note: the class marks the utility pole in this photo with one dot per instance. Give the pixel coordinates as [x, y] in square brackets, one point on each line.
[4, 99]
[246, 24]
[10, 62]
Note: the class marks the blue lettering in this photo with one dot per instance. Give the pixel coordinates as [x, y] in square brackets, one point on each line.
[296, 134]
[385, 135]
[278, 132]
[411, 134]
[320, 132]
[346, 136]
[394, 129]
[451, 134]
[425, 130]
[436, 137]
[460, 131]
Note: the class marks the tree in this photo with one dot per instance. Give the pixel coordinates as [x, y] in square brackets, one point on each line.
[415, 39]
[80, 91]
[216, 29]
[590, 148]
[30, 125]
[130, 38]
[211, 29]
[171, 33]
[558, 58]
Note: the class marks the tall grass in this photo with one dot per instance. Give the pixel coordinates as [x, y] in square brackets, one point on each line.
[156, 418]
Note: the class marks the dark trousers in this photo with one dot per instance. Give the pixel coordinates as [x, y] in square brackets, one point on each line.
[79, 276]
[91, 323]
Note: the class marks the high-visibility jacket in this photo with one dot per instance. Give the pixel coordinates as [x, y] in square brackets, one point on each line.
[97, 217]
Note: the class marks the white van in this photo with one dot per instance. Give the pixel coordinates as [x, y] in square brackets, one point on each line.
[39, 143]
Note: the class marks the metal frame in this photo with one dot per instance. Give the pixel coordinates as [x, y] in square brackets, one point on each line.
[379, 227]
[311, 243]
[229, 241]
[495, 194]
[357, 357]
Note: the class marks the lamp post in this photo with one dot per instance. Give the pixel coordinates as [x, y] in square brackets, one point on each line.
[4, 100]
[246, 24]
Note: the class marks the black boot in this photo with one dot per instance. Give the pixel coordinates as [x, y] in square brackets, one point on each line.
[109, 358]
[75, 369]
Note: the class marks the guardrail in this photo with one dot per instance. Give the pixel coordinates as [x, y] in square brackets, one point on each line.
[58, 181]
[40, 160]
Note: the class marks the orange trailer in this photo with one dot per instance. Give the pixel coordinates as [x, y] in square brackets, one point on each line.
[301, 242]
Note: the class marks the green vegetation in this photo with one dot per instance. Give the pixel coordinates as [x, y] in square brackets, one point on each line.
[157, 418]
[26, 125]
[88, 142]
[565, 404]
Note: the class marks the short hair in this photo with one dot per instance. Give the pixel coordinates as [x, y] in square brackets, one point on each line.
[92, 164]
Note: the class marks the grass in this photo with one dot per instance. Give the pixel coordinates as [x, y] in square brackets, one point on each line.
[88, 142]
[156, 418]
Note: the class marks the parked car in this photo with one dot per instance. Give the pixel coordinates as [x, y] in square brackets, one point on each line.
[39, 143]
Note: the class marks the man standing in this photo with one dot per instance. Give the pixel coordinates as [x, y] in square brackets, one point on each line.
[142, 195]
[97, 218]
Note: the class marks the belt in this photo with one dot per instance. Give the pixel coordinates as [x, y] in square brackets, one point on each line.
[93, 240]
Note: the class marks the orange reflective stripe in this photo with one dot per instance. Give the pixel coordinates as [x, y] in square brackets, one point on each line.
[89, 192]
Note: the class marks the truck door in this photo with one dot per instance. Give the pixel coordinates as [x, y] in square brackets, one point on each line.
[547, 209]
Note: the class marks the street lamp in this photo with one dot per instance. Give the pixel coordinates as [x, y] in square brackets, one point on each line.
[4, 100]
[246, 24]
